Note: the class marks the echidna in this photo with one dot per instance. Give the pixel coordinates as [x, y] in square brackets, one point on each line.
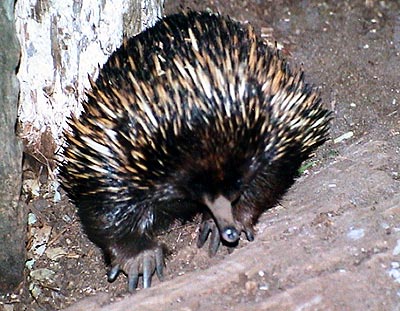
[194, 115]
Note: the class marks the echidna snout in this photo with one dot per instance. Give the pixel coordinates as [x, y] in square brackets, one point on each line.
[221, 209]
[230, 234]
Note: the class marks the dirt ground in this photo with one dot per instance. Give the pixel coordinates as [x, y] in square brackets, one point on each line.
[332, 244]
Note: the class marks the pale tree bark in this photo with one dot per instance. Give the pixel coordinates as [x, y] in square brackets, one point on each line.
[62, 42]
[12, 229]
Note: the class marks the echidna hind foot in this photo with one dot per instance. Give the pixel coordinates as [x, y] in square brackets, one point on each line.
[136, 263]
[144, 264]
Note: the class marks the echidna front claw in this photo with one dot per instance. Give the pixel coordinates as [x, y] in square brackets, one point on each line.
[249, 231]
[113, 273]
[208, 226]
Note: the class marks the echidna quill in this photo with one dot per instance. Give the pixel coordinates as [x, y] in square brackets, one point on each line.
[194, 115]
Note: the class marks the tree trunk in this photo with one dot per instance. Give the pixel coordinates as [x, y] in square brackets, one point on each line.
[62, 42]
[12, 214]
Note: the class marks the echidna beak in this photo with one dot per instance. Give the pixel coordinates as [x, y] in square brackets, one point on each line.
[230, 234]
[221, 209]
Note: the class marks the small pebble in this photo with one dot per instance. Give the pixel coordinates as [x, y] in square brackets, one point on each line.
[344, 136]
[396, 250]
[250, 287]
[356, 234]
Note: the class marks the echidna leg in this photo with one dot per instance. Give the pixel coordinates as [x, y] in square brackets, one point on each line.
[132, 259]
[264, 193]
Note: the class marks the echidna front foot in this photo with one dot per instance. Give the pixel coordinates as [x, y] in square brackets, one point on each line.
[209, 227]
[144, 264]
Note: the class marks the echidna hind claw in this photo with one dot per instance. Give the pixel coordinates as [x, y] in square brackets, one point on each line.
[133, 278]
[159, 264]
[152, 262]
[147, 270]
